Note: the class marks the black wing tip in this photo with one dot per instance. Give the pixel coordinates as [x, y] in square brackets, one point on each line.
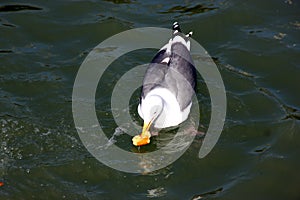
[177, 31]
[176, 27]
[189, 34]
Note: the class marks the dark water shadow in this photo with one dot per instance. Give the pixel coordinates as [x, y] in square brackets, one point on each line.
[119, 1]
[190, 10]
[16, 7]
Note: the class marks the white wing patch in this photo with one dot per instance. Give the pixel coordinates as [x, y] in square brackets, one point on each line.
[166, 60]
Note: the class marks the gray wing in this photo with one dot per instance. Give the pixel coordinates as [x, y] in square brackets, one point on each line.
[178, 75]
[155, 73]
[181, 76]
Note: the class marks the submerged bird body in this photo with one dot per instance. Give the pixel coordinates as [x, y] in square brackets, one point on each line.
[169, 84]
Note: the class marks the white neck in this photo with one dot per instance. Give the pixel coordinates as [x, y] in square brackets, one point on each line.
[152, 107]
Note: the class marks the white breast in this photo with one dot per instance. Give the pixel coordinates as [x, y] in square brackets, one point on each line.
[171, 114]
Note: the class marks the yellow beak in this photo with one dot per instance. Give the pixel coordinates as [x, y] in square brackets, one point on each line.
[144, 137]
[146, 127]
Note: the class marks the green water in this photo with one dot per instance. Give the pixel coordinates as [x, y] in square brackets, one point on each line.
[256, 47]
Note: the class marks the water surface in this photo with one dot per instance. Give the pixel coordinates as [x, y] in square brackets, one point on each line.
[256, 47]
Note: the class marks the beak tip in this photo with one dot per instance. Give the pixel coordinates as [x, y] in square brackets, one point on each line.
[144, 137]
